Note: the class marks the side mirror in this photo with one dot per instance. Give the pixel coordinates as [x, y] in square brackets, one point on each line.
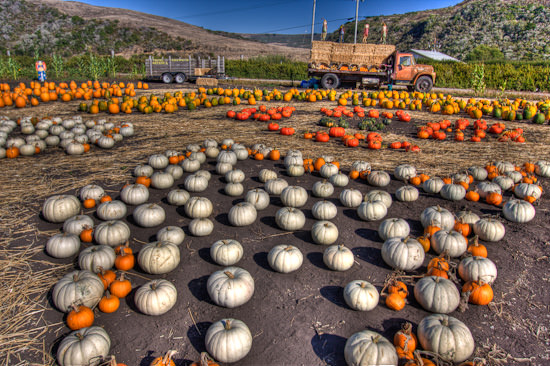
[400, 67]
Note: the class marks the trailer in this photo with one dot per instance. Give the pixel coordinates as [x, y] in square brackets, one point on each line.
[180, 70]
[369, 65]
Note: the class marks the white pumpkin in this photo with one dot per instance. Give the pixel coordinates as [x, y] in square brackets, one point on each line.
[223, 168]
[477, 269]
[195, 183]
[449, 241]
[96, 258]
[360, 166]
[378, 178]
[504, 166]
[242, 214]
[159, 257]
[190, 165]
[84, 287]
[484, 188]
[467, 217]
[266, 174]
[258, 198]
[175, 171]
[228, 340]
[489, 229]
[295, 170]
[407, 194]
[372, 210]
[290, 219]
[149, 215]
[178, 197]
[393, 228]
[198, 207]
[338, 258]
[226, 252]
[161, 180]
[63, 245]
[328, 170]
[404, 172]
[201, 227]
[433, 185]
[235, 176]
[505, 183]
[92, 191]
[523, 190]
[446, 336]
[227, 156]
[234, 189]
[437, 216]
[86, 346]
[518, 211]
[323, 189]
[361, 295]
[204, 173]
[453, 192]
[294, 196]
[199, 156]
[275, 186]
[542, 168]
[134, 194]
[403, 254]
[77, 223]
[171, 234]
[156, 297]
[437, 294]
[377, 194]
[285, 258]
[111, 210]
[367, 348]
[339, 180]
[111, 233]
[59, 208]
[158, 161]
[230, 287]
[478, 173]
[324, 233]
[324, 210]
[351, 197]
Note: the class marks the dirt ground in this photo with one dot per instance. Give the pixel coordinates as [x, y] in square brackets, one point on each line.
[298, 318]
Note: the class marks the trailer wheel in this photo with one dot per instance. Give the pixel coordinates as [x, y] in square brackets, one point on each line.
[330, 81]
[167, 78]
[423, 84]
[180, 78]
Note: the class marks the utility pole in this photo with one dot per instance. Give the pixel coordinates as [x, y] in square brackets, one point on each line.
[356, 16]
[313, 21]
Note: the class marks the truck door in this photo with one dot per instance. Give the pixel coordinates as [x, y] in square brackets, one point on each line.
[404, 70]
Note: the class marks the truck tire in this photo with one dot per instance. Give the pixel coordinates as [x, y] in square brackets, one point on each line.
[167, 78]
[330, 81]
[423, 84]
[180, 78]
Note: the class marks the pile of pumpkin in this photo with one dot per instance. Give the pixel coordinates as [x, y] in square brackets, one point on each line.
[439, 131]
[262, 114]
[30, 136]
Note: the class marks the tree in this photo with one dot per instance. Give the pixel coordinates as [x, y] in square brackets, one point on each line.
[485, 53]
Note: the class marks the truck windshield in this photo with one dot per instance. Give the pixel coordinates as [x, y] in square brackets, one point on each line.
[405, 61]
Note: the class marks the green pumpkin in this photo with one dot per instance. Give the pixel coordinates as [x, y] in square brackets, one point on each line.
[497, 113]
[539, 119]
[527, 114]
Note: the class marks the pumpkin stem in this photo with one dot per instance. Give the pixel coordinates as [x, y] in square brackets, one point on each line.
[79, 336]
[206, 359]
[229, 274]
[363, 285]
[406, 327]
[168, 357]
[227, 324]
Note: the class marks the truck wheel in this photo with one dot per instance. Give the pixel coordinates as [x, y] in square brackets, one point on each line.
[167, 78]
[423, 84]
[180, 78]
[330, 81]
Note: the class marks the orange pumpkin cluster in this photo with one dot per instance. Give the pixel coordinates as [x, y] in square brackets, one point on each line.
[262, 114]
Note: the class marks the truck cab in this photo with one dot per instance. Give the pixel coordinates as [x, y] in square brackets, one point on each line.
[403, 70]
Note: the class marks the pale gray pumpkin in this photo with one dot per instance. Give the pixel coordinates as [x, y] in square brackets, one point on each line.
[505, 183]
[290, 219]
[449, 241]
[323, 189]
[198, 207]
[360, 166]
[134, 194]
[275, 186]
[351, 197]
[484, 188]
[230, 287]
[233, 189]
[460, 177]
[161, 180]
[97, 257]
[489, 229]
[523, 190]
[226, 252]
[378, 178]
[59, 208]
[226, 156]
[149, 215]
[403, 254]
[112, 233]
[437, 294]
[406, 194]
[433, 185]
[105, 142]
[515, 176]
[285, 258]
[328, 170]
[376, 195]
[295, 170]
[195, 183]
[190, 165]
[518, 211]
[339, 180]
[159, 257]
[83, 287]
[158, 161]
[324, 210]
[175, 171]
[361, 295]
[453, 192]
[204, 173]
[63, 245]
[92, 191]
[467, 217]
[338, 258]
[542, 168]
[143, 171]
[171, 234]
[477, 269]
[266, 174]
[478, 173]
[212, 152]
[258, 198]
[156, 297]
[235, 176]
[223, 168]
[294, 196]
[86, 346]
[242, 214]
[111, 210]
[367, 348]
[77, 223]
[504, 166]
[404, 172]
[198, 155]
[372, 210]
[437, 216]
[241, 153]
[393, 228]
[446, 336]
[178, 197]
[324, 233]
[201, 227]
[228, 340]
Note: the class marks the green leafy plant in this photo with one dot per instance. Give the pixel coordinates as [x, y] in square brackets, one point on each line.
[111, 66]
[96, 67]
[13, 68]
[57, 65]
[478, 79]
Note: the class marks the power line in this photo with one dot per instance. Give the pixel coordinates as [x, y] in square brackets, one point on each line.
[305, 25]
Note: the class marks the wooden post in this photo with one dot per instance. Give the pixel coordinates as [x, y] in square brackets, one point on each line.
[190, 73]
[170, 63]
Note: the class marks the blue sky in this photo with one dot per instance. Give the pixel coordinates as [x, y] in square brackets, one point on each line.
[275, 16]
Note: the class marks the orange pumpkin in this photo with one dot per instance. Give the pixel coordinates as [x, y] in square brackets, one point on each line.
[109, 303]
[165, 360]
[121, 287]
[395, 302]
[80, 317]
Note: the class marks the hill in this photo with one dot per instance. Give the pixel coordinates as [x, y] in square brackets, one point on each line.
[519, 29]
[68, 27]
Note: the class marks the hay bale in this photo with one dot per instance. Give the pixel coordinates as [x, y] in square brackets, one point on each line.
[322, 46]
[207, 82]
